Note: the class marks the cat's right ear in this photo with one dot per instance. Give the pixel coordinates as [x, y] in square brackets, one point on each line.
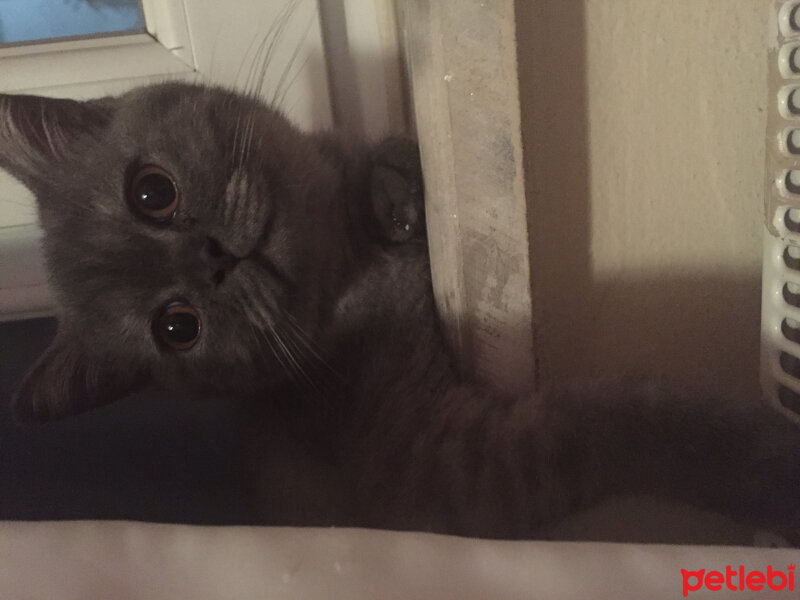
[37, 132]
[65, 381]
[396, 190]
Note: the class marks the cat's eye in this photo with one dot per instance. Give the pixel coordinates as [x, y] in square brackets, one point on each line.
[153, 194]
[177, 326]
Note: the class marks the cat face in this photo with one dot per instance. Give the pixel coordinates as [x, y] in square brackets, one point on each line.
[194, 238]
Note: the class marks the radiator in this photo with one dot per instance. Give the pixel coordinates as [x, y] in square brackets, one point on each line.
[780, 307]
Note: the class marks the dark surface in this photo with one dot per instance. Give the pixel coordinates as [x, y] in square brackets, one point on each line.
[147, 457]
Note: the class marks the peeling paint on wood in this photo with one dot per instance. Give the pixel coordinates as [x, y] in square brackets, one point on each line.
[463, 68]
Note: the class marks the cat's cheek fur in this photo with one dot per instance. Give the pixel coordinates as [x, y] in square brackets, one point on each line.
[66, 381]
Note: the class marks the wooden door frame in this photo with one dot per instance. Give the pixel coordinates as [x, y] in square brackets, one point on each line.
[462, 65]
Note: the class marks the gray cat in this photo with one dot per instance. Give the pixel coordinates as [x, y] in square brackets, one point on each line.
[199, 243]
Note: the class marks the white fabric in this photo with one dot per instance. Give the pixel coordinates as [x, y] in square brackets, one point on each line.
[124, 560]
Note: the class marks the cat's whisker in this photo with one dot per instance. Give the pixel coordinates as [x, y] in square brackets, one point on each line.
[247, 54]
[292, 359]
[262, 59]
[283, 21]
[243, 117]
[305, 340]
[213, 58]
[268, 330]
[19, 203]
[291, 346]
[279, 102]
[315, 382]
[236, 134]
[261, 330]
[252, 69]
[256, 77]
[254, 82]
[249, 140]
[279, 356]
[280, 93]
[319, 378]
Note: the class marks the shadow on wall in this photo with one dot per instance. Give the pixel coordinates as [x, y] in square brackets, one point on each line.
[701, 327]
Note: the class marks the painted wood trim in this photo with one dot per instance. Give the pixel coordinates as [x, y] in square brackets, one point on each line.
[364, 57]
[465, 96]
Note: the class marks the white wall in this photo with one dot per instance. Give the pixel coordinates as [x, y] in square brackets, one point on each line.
[644, 127]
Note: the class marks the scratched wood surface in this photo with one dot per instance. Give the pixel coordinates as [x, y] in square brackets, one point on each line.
[463, 71]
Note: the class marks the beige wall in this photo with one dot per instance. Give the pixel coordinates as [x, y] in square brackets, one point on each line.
[643, 126]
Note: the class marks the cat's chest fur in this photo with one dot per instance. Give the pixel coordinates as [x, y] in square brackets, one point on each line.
[388, 363]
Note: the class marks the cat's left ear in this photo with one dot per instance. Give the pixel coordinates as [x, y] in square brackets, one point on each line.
[36, 132]
[66, 381]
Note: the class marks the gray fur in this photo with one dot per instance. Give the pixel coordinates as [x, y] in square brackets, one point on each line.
[320, 323]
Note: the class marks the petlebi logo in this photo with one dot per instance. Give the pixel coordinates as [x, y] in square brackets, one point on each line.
[738, 579]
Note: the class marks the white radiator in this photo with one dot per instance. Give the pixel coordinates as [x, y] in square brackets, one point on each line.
[780, 316]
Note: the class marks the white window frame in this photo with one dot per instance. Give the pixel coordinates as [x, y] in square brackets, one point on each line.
[166, 49]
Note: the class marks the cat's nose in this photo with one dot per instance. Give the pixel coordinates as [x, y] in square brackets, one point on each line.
[218, 259]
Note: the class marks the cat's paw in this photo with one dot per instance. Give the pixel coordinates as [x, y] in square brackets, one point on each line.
[396, 190]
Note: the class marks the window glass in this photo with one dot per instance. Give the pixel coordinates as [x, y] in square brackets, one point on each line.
[23, 21]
